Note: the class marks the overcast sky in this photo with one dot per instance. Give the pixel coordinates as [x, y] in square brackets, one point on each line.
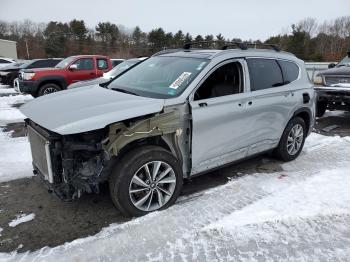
[247, 19]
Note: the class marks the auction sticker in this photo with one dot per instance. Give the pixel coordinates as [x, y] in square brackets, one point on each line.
[182, 78]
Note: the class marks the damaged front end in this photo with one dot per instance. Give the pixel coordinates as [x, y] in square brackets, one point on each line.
[70, 164]
[78, 163]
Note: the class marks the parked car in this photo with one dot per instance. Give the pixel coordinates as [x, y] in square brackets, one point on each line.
[38, 82]
[116, 62]
[9, 74]
[176, 115]
[6, 61]
[333, 90]
[110, 74]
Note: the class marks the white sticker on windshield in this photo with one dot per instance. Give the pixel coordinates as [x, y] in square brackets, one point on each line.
[178, 82]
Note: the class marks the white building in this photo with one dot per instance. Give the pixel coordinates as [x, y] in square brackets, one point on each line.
[8, 48]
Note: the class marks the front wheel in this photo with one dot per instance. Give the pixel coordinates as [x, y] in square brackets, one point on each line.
[292, 140]
[48, 89]
[145, 180]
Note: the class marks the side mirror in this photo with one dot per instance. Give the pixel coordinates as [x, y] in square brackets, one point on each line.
[332, 65]
[73, 67]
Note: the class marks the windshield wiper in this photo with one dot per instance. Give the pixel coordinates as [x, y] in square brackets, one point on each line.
[125, 91]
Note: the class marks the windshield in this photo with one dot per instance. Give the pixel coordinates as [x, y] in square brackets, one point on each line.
[121, 68]
[160, 77]
[65, 62]
[344, 62]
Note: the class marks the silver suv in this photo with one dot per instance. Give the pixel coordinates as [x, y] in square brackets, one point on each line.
[176, 115]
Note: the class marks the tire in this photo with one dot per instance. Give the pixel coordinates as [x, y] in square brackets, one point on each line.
[283, 150]
[128, 194]
[48, 89]
[321, 108]
[15, 84]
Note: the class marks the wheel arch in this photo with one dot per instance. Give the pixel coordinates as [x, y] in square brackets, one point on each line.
[57, 80]
[305, 114]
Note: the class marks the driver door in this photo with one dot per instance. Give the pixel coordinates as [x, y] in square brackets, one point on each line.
[218, 117]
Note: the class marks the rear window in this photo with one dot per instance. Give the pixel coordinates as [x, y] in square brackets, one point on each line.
[264, 73]
[290, 71]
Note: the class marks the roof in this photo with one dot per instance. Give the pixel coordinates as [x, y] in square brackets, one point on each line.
[3, 40]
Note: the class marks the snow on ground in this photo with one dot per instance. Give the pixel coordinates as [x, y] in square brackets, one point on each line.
[7, 90]
[23, 218]
[300, 214]
[9, 113]
[15, 157]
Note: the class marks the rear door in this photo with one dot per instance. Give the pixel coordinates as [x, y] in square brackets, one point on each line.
[271, 101]
[102, 66]
[85, 70]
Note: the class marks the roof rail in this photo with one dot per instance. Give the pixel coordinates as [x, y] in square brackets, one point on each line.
[189, 44]
[240, 45]
[277, 48]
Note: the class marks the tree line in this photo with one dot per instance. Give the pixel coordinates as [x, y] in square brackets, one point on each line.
[308, 39]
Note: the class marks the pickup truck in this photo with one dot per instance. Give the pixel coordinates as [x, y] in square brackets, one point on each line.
[333, 87]
[38, 82]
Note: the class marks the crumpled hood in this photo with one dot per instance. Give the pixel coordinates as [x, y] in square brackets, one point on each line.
[85, 109]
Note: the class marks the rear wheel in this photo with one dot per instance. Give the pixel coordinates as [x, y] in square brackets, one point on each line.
[321, 108]
[48, 89]
[145, 180]
[292, 140]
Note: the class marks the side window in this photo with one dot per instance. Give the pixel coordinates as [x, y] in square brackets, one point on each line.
[226, 80]
[102, 64]
[38, 64]
[290, 71]
[264, 73]
[84, 64]
[52, 62]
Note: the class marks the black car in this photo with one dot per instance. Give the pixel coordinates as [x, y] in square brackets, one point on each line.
[333, 89]
[9, 74]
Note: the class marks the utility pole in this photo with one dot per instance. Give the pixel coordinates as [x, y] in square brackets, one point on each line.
[27, 47]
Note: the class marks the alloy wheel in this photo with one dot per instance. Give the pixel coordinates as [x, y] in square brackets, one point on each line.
[295, 139]
[152, 186]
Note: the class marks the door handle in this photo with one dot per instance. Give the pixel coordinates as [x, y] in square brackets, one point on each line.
[92, 74]
[203, 104]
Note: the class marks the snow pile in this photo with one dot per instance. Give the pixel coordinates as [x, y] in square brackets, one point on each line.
[306, 199]
[15, 157]
[300, 214]
[7, 90]
[23, 218]
[9, 113]
[1, 231]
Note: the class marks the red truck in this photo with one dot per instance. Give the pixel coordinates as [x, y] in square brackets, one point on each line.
[38, 82]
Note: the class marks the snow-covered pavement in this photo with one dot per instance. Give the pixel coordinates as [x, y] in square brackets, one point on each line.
[15, 158]
[300, 214]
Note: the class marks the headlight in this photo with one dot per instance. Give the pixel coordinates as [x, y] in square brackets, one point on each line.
[4, 73]
[28, 76]
[318, 80]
